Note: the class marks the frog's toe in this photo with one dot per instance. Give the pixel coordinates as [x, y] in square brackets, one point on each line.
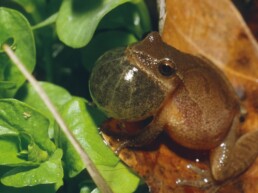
[205, 182]
[121, 146]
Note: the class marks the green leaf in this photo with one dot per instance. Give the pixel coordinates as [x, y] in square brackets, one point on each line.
[17, 117]
[48, 172]
[103, 42]
[83, 120]
[77, 20]
[15, 27]
[120, 178]
[35, 154]
[58, 96]
[9, 152]
[30, 151]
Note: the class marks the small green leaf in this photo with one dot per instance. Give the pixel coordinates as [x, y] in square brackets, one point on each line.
[4, 85]
[15, 31]
[30, 151]
[120, 178]
[83, 120]
[48, 172]
[9, 152]
[77, 20]
[4, 130]
[58, 95]
[17, 117]
[35, 154]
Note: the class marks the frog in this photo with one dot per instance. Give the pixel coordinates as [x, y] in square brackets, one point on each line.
[184, 95]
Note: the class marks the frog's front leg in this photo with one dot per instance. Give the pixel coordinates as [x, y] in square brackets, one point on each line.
[148, 134]
[234, 155]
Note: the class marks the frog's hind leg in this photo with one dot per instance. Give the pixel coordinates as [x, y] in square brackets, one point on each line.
[235, 154]
[230, 159]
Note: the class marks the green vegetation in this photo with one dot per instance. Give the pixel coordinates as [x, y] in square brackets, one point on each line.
[59, 41]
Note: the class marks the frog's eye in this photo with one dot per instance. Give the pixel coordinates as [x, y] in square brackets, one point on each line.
[166, 68]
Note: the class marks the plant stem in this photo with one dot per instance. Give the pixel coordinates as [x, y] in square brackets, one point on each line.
[46, 22]
[91, 168]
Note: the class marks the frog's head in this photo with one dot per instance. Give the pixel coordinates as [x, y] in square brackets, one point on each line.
[131, 83]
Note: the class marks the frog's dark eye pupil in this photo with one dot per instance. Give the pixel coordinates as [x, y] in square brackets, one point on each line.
[166, 69]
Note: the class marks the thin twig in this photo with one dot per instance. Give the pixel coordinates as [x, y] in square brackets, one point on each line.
[94, 173]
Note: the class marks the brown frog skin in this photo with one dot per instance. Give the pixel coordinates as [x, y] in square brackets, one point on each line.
[187, 97]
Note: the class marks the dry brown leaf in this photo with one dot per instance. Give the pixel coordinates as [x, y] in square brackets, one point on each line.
[215, 30]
